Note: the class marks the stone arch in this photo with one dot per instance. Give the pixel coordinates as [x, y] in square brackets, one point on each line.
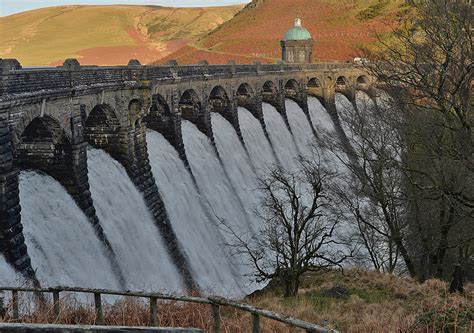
[247, 98]
[219, 101]
[314, 83]
[362, 79]
[101, 126]
[159, 109]
[292, 88]
[269, 87]
[293, 91]
[342, 83]
[102, 115]
[43, 145]
[362, 82]
[315, 88]
[160, 118]
[245, 90]
[343, 87]
[270, 93]
[191, 109]
[190, 106]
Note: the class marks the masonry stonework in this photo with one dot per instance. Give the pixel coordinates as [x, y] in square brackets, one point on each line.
[48, 116]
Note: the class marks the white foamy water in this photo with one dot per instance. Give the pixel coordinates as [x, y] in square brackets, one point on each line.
[218, 194]
[258, 147]
[300, 127]
[280, 137]
[63, 247]
[195, 228]
[319, 116]
[237, 164]
[8, 277]
[129, 227]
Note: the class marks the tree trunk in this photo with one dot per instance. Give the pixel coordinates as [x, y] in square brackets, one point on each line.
[292, 286]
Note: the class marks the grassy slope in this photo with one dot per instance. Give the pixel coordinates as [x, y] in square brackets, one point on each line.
[337, 26]
[375, 303]
[50, 35]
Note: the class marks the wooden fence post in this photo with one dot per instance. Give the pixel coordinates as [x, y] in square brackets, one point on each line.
[16, 313]
[153, 311]
[56, 305]
[99, 319]
[255, 323]
[216, 315]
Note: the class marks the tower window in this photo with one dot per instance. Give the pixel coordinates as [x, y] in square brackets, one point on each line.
[291, 57]
[302, 56]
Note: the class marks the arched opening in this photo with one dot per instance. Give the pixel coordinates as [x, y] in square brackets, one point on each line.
[44, 146]
[191, 109]
[315, 89]
[270, 93]
[190, 106]
[342, 82]
[219, 101]
[246, 98]
[269, 88]
[101, 126]
[314, 83]
[362, 79]
[161, 119]
[245, 91]
[158, 116]
[292, 88]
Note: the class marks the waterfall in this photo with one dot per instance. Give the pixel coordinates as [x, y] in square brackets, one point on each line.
[300, 127]
[129, 226]
[280, 137]
[259, 149]
[65, 250]
[219, 196]
[319, 116]
[8, 277]
[61, 242]
[195, 227]
[236, 164]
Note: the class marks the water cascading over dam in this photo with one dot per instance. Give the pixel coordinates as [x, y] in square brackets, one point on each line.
[217, 187]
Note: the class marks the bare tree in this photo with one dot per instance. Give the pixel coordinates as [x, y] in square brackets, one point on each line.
[370, 186]
[415, 158]
[299, 226]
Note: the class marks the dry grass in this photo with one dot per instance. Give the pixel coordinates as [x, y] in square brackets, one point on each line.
[101, 34]
[375, 303]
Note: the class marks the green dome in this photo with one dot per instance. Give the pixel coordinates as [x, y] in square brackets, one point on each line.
[297, 32]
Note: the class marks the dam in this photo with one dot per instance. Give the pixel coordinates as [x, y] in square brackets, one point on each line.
[118, 177]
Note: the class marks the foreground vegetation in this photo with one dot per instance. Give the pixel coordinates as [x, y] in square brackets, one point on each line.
[350, 301]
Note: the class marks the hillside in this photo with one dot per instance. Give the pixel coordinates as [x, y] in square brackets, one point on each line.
[337, 26]
[105, 35]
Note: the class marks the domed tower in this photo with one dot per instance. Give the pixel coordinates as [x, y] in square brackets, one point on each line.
[297, 45]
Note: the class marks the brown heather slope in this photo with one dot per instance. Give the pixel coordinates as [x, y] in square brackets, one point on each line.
[105, 35]
[337, 26]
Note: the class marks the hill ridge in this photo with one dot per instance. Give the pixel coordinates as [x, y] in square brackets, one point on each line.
[105, 34]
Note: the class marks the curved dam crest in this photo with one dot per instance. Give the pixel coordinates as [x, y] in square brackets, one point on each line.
[139, 185]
